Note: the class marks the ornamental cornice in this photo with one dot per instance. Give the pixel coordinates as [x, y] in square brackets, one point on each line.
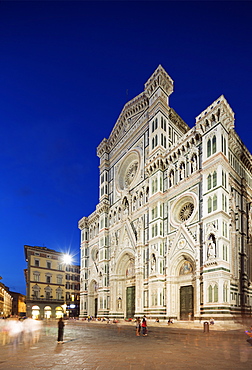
[83, 223]
[102, 148]
[177, 121]
[156, 163]
[103, 207]
[94, 217]
[176, 153]
[159, 78]
[218, 111]
[240, 150]
[131, 112]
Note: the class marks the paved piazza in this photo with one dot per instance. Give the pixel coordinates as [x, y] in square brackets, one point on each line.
[109, 346]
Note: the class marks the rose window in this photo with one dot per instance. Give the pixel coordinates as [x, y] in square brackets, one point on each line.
[186, 211]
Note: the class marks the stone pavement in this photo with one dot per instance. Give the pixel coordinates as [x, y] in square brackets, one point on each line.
[115, 346]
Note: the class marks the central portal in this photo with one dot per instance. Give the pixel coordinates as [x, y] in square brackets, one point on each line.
[130, 302]
[186, 302]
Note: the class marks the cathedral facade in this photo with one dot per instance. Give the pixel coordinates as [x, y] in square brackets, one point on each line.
[171, 236]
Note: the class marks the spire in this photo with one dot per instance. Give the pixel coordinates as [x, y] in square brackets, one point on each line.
[159, 78]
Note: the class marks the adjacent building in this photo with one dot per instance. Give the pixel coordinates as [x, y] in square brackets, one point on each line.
[47, 283]
[171, 235]
[72, 290]
[5, 301]
[18, 304]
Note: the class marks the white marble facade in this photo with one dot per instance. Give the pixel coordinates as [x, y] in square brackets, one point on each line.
[171, 235]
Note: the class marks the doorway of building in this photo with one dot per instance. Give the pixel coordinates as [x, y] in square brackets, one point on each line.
[130, 302]
[35, 312]
[186, 303]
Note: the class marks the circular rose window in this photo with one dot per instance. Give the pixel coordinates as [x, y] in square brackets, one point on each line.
[128, 170]
[186, 211]
[183, 209]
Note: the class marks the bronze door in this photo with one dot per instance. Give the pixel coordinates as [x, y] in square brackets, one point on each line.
[186, 302]
[130, 302]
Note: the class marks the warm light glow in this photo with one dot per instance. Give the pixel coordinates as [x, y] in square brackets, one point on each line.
[67, 259]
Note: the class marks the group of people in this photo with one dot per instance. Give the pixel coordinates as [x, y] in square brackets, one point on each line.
[141, 325]
[14, 331]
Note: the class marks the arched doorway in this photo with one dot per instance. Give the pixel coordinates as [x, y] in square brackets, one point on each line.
[35, 312]
[47, 312]
[130, 289]
[125, 286]
[186, 291]
[59, 312]
[93, 298]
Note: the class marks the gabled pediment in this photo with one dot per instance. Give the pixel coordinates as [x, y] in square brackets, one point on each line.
[183, 242]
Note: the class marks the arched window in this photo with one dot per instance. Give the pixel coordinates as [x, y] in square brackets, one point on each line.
[216, 293]
[209, 205]
[153, 143]
[214, 202]
[147, 195]
[209, 148]
[156, 140]
[48, 292]
[141, 200]
[209, 182]
[35, 291]
[214, 145]
[214, 179]
[59, 294]
[210, 293]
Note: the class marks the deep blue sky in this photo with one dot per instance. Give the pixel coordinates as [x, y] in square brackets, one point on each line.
[65, 70]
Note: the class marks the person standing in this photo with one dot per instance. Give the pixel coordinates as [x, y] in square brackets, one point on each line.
[60, 330]
[138, 327]
[144, 326]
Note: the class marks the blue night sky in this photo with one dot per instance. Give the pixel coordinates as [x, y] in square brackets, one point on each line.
[66, 71]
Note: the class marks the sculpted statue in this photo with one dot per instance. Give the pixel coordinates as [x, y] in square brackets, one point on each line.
[211, 247]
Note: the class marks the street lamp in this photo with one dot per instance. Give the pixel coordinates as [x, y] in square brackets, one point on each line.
[67, 259]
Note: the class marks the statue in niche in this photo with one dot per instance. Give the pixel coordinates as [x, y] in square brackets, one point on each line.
[211, 247]
[153, 262]
[194, 163]
[182, 171]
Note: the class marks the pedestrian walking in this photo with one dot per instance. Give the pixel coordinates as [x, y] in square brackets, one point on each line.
[60, 330]
[144, 326]
[138, 327]
[249, 333]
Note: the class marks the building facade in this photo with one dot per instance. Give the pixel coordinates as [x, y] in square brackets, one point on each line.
[18, 304]
[5, 301]
[171, 235]
[47, 290]
[72, 289]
